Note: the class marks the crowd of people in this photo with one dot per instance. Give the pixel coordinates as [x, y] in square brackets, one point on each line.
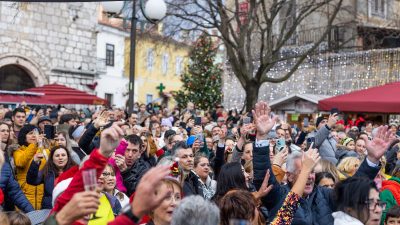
[186, 167]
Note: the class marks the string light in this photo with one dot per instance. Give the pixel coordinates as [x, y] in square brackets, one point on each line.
[323, 74]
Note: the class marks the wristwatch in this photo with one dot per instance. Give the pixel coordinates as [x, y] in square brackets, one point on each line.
[131, 216]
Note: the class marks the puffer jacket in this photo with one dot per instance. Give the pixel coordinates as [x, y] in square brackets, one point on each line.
[35, 177]
[316, 209]
[22, 159]
[12, 190]
[132, 175]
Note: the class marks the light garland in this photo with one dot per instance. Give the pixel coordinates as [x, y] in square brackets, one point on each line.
[323, 74]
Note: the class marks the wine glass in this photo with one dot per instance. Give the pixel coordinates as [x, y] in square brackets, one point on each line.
[90, 184]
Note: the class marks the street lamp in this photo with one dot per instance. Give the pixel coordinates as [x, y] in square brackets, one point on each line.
[153, 11]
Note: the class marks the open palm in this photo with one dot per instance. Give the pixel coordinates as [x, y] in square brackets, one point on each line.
[264, 122]
[379, 144]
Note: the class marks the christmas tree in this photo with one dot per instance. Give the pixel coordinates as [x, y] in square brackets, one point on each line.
[202, 78]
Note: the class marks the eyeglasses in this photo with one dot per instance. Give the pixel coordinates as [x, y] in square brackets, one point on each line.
[107, 174]
[372, 205]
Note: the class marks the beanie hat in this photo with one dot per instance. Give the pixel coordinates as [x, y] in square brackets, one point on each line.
[44, 118]
[346, 141]
[319, 120]
[166, 122]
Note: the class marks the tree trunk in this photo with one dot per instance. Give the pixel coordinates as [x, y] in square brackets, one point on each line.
[251, 95]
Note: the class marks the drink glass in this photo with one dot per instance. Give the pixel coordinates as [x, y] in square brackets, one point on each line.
[90, 184]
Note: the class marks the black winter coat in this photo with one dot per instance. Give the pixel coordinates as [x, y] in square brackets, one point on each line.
[316, 209]
[36, 177]
[132, 175]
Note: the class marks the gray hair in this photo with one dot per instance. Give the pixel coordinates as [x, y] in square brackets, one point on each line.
[166, 161]
[178, 147]
[194, 210]
[290, 162]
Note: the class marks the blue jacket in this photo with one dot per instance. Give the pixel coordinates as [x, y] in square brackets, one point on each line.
[36, 177]
[316, 209]
[11, 189]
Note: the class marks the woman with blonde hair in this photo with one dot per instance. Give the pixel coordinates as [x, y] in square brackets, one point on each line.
[324, 165]
[348, 166]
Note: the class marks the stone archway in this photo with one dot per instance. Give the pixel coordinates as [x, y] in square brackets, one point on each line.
[18, 73]
[14, 78]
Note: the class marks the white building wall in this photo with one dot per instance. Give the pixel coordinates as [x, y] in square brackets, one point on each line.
[112, 80]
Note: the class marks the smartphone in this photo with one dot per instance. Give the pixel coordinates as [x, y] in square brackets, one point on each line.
[197, 121]
[280, 144]
[309, 142]
[306, 122]
[216, 138]
[246, 120]
[200, 137]
[49, 131]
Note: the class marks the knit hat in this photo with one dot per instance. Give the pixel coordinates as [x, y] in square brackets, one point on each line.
[166, 122]
[319, 120]
[43, 118]
[346, 141]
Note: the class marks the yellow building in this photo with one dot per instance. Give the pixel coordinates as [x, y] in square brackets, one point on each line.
[158, 63]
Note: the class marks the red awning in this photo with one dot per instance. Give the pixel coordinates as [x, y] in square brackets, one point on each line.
[15, 97]
[379, 99]
[60, 94]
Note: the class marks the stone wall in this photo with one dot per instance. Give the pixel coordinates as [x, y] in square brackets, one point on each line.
[56, 42]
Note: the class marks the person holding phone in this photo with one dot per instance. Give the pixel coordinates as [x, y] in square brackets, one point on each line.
[322, 138]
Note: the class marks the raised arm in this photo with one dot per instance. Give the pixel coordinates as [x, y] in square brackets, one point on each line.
[323, 133]
[261, 160]
[34, 176]
[287, 211]
[376, 148]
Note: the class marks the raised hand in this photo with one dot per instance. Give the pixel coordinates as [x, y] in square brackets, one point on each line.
[146, 197]
[379, 144]
[110, 139]
[264, 122]
[265, 188]
[280, 157]
[332, 120]
[81, 205]
[101, 120]
[310, 159]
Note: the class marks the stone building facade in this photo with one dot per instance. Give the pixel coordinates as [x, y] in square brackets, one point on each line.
[48, 43]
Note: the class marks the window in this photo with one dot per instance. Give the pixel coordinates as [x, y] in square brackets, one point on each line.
[149, 98]
[164, 64]
[178, 65]
[109, 98]
[378, 8]
[109, 55]
[150, 59]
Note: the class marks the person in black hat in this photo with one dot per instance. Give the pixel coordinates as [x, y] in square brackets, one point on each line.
[43, 121]
[322, 138]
